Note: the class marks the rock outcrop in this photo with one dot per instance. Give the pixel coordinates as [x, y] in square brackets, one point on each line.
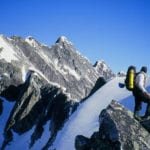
[118, 131]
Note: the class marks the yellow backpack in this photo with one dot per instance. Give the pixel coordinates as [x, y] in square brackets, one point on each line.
[130, 78]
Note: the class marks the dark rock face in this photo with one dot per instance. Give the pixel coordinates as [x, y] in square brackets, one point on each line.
[46, 84]
[10, 79]
[146, 124]
[118, 131]
[100, 82]
[35, 106]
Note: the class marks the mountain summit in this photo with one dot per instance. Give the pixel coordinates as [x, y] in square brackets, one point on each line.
[63, 39]
[41, 86]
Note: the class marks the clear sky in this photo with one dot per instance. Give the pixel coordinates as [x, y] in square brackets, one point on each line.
[117, 31]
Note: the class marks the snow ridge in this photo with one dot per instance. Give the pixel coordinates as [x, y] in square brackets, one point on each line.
[85, 120]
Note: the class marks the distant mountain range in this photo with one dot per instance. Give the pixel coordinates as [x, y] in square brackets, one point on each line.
[42, 86]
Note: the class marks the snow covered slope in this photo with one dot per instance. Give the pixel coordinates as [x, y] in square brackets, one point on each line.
[85, 120]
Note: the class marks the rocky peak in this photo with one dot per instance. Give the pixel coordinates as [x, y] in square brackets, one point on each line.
[100, 64]
[63, 39]
[101, 67]
[33, 42]
[16, 38]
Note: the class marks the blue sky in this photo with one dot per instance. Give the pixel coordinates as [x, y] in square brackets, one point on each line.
[117, 31]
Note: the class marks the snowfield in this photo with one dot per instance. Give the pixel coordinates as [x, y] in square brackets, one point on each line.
[84, 121]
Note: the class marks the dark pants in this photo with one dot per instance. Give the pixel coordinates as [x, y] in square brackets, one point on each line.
[139, 98]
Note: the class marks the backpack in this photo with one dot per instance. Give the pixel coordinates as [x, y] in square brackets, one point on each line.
[130, 78]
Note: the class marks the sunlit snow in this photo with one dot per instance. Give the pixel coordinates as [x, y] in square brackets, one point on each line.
[85, 120]
[6, 51]
[31, 41]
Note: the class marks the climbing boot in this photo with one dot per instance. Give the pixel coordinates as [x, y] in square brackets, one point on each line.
[136, 115]
[147, 113]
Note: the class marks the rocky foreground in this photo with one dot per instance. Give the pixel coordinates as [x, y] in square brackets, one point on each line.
[118, 131]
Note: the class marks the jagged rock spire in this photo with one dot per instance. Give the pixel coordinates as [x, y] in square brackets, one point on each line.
[63, 39]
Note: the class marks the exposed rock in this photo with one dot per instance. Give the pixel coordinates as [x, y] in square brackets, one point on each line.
[121, 74]
[10, 79]
[118, 131]
[37, 103]
[100, 82]
[82, 143]
[146, 124]
[103, 69]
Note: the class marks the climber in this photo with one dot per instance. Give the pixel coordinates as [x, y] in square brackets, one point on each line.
[141, 94]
